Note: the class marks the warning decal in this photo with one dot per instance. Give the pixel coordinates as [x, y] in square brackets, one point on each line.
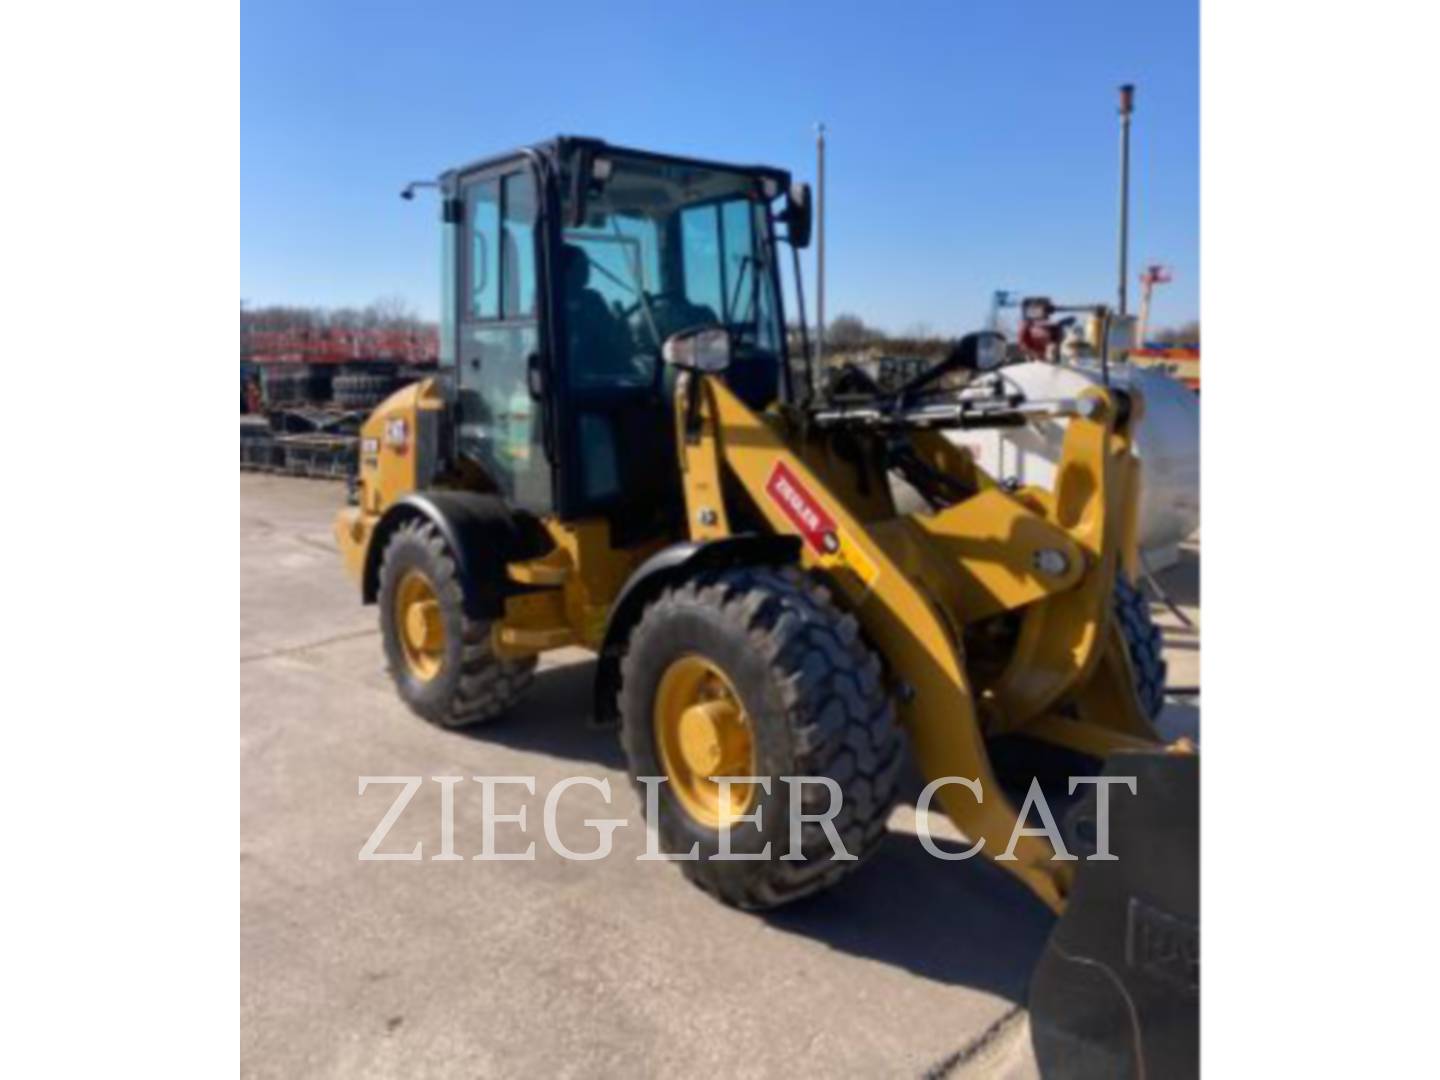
[804, 511]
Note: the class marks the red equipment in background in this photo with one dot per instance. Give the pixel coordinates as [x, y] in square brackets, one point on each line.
[315, 388]
[1152, 275]
[1182, 360]
[344, 346]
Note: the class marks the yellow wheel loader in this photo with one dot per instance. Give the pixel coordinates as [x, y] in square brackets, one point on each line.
[627, 450]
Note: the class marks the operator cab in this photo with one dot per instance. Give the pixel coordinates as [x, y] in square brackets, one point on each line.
[567, 266]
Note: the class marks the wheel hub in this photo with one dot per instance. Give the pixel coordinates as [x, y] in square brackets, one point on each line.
[708, 738]
[702, 731]
[422, 624]
[418, 625]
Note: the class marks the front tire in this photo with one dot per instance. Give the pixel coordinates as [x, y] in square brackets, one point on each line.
[443, 662]
[755, 669]
[1144, 644]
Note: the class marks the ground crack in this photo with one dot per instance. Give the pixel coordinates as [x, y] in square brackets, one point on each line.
[290, 650]
[1009, 1027]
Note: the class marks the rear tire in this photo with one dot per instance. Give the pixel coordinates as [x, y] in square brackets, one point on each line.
[451, 677]
[815, 706]
[1144, 644]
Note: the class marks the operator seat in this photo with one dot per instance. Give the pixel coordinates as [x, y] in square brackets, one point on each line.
[600, 347]
[627, 461]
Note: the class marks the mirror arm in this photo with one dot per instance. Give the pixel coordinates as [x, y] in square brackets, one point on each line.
[963, 355]
[692, 407]
[929, 375]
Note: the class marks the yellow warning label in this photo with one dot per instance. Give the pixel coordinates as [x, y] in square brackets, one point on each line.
[852, 555]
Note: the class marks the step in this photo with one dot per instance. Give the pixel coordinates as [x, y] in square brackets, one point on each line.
[538, 640]
[548, 571]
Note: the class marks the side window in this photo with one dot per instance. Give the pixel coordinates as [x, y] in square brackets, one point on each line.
[517, 271]
[501, 256]
[482, 213]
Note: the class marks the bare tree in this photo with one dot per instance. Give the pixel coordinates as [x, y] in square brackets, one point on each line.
[1184, 334]
[386, 313]
[849, 331]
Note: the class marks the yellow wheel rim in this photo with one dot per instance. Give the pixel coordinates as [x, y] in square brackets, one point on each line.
[418, 625]
[702, 731]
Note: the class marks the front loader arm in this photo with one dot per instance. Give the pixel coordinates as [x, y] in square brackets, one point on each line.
[1062, 641]
[918, 639]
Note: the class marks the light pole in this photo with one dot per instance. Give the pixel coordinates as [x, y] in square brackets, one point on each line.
[1127, 106]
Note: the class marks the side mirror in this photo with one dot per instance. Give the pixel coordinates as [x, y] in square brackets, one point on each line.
[981, 351]
[700, 348]
[799, 215]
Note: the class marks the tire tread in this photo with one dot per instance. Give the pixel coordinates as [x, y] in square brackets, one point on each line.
[487, 685]
[841, 721]
[1145, 645]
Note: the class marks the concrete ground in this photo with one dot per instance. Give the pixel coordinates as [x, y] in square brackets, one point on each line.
[460, 968]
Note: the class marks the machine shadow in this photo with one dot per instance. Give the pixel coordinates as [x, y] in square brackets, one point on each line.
[965, 923]
[1182, 580]
[555, 718]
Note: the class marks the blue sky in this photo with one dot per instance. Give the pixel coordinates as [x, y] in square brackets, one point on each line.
[972, 146]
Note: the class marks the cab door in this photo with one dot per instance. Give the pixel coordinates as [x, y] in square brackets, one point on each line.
[501, 423]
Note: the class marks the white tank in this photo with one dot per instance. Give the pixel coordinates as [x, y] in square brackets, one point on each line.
[1167, 443]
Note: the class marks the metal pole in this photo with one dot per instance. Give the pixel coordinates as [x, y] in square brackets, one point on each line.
[1127, 105]
[1147, 284]
[820, 247]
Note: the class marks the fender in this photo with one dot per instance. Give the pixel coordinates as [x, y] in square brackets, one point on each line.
[665, 567]
[482, 533]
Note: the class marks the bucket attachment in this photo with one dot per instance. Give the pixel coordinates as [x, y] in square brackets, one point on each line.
[1117, 989]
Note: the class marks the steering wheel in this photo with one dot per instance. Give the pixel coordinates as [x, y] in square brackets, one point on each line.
[654, 299]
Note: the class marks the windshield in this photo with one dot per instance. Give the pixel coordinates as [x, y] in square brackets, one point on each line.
[667, 246]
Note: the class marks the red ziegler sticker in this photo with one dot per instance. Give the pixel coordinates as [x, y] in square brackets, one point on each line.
[803, 510]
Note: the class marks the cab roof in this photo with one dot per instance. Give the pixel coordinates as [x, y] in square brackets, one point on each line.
[562, 146]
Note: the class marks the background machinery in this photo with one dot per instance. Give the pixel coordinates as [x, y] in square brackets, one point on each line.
[1152, 275]
[1060, 355]
[305, 392]
[622, 452]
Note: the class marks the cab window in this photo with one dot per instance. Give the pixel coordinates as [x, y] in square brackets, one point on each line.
[482, 212]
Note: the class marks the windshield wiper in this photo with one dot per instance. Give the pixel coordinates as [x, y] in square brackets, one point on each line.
[639, 281]
[745, 261]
